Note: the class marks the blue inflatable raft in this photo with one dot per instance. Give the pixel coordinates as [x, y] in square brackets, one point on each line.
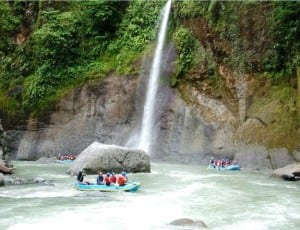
[129, 187]
[229, 167]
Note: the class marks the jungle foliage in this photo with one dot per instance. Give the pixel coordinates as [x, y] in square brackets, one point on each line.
[66, 43]
[186, 47]
[263, 36]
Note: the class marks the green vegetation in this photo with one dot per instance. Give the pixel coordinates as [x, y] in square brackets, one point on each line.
[8, 26]
[190, 8]
[263, 36]
[278, 109]
[137, 29]
[186, 47]
[66, 44]
[285, 26]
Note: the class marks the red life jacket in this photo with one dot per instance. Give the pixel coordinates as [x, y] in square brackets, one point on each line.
[107, 180]
[121, 180]
[113, 179]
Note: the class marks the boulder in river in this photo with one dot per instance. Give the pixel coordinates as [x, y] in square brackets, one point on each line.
[6, 170]
[185, 222]
[290, 172]
[102, 157]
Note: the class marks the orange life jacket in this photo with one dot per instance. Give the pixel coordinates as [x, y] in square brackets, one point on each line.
[107, 180]
[113, 179]
[121, 180]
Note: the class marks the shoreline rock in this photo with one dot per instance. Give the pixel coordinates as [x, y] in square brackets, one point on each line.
[290, 172]
[6, 170]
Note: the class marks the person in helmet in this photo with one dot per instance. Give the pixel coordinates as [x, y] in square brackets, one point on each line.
[122, 179]
[125, 176]
[107, 179]
[113, 178]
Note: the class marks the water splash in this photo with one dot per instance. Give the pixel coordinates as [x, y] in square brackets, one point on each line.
[148, 120]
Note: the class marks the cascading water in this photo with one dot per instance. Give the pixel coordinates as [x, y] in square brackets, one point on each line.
[147, 123]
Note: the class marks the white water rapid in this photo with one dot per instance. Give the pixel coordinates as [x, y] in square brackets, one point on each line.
[223, 200]
[148, 121]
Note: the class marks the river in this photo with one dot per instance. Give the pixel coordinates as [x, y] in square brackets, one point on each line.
[223, 200]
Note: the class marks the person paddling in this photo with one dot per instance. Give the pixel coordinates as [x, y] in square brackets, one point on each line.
[80, 178]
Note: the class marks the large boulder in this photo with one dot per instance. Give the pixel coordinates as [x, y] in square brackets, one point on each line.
[290, 172]
[102, 157]
[189, 223]
[4, 169]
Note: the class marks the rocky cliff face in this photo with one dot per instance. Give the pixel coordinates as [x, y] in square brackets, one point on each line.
[107, 112]
[4, 156]
[102, 111]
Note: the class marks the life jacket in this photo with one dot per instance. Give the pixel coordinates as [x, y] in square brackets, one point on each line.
[107, 180]
[113, 179]
[121, 180]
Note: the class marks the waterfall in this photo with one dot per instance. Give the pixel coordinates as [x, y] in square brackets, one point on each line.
[148, 120]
